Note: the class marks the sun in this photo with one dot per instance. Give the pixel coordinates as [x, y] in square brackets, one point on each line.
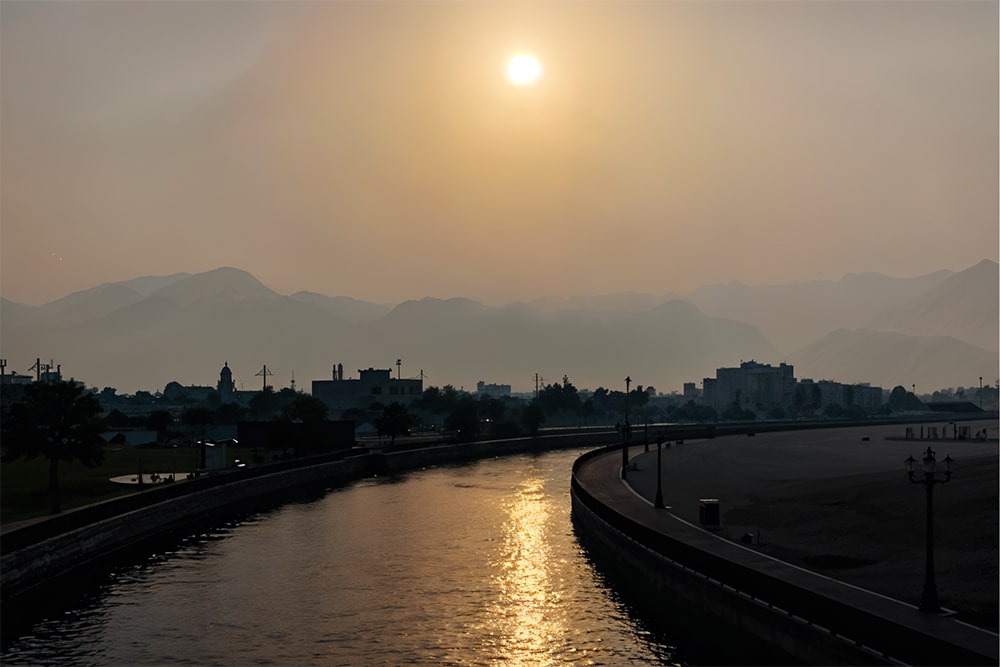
[523, 69]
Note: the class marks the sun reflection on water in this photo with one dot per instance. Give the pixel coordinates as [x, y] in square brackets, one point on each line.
[525, 621]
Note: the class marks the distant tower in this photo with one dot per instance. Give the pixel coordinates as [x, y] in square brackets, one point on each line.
[226, 387]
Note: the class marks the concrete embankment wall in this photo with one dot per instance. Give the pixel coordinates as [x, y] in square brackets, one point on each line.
[36, 563]
[762, 604]
[38, 553]
[707, 610]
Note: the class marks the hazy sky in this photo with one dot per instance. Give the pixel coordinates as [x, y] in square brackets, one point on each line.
[377, 150]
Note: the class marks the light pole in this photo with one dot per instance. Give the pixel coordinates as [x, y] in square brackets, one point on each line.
[929, 599]
[658, 501]
[625, 430]
[980, 392]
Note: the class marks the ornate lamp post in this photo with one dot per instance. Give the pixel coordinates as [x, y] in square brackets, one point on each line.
[658, 501]
[625, 430]
[929, 599]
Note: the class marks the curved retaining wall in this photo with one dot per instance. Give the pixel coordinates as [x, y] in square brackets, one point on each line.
[804, 624]
[38, 553]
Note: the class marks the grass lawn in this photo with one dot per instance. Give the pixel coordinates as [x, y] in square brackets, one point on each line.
[24, 484]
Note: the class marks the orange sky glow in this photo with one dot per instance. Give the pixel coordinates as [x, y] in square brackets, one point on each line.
[377, 150]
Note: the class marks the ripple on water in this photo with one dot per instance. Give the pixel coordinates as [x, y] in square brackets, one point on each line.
[473, 565]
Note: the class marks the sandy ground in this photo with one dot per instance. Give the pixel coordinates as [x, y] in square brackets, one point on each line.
[834, 503]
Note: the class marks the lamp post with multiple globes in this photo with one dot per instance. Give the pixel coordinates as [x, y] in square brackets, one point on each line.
[929, 601]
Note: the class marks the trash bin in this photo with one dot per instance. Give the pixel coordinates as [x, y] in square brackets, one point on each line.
[708, 513]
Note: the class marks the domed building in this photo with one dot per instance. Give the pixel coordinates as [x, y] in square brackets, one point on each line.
[226, 387]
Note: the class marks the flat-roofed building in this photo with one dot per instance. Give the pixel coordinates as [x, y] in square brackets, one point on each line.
[862, 395]
[494, 390]
[373, 385]
[752, 386]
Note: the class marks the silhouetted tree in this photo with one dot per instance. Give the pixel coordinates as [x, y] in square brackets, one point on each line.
[492, 409]
[57, 420]
[159, 421]
[395, 420]
[305, 408]
[736, 413]
[901, 400]
[532, 418]
[196, 419]
[264, 404]
[142, 398]
[554, 399]
[438, 401]
[228, 413]
[464, 419]
[691, 411]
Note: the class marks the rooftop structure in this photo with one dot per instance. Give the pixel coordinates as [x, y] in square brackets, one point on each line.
[374, 385]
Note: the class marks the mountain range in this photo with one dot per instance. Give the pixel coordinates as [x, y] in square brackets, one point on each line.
[936, 330]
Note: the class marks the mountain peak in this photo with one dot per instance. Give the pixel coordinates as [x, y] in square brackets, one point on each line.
[226, 281]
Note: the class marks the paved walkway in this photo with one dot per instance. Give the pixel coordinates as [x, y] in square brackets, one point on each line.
[787, 475]
[830, 497]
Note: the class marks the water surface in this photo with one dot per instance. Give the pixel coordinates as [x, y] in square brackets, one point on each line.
[462, 565]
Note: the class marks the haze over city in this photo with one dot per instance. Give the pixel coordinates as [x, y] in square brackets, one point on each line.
[380, 150]
[499, 332]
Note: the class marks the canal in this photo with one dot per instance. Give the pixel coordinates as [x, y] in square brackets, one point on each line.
[476, 564]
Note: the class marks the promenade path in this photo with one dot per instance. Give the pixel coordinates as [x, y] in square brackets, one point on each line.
[838, 519]
[837, 502]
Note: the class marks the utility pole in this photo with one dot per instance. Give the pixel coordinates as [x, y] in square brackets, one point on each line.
[38, 368]
[625, 429]
[264, 373]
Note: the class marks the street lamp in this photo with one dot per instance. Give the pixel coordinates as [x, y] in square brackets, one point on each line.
[658, 501]
[929, 599]
[625, 429]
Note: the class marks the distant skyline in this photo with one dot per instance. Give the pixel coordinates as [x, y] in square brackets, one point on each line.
[377, 150]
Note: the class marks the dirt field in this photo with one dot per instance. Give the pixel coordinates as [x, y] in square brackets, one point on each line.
[834, 503]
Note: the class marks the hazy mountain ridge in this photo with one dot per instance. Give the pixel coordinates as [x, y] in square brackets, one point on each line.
[795, 314]
[964, 306]
[186, 326]
[352, 310]
[226, 283]
[929, 362]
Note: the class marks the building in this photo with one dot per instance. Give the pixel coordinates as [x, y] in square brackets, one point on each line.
[690, 391]
[225, 386]
[752, 386]
[16, 379]
[863, 396]
[494, 390]
[227, 391]
[374, 385]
